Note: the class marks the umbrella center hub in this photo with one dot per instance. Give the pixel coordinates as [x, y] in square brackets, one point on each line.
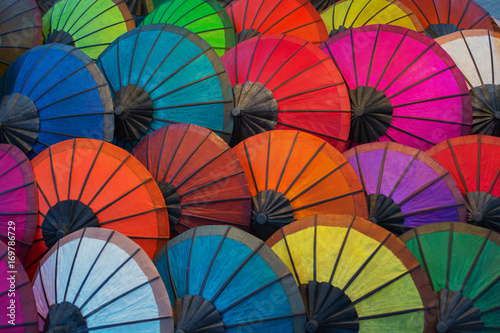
[312, 326]
[440, 29]
[236, 112]
[133, 110]
[19, 122]
[497, 114]
[59, 36]
[195, 312]
[371, 114]
[486, 108]
[65, 317]
[386, 213]
[481, 209]
[459, 305]
[271, 210]
[172, 200]
[66, 217]
[246, 34]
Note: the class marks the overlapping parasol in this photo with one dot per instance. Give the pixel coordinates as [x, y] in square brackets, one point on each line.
[355, 276]
[403, 86]
[200, 177]
[292, 175]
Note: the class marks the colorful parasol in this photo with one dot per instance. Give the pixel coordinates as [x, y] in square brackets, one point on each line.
[283, 82]
[405, 187]
[20, 29]
[99, 280]
[460, 261]
[477, 53]
[347, 14]
[442, 17]
[297, 18]
[50, 94]
[292, 175]
[91, 183]
[163, 74]
[206, 18]
[16, 296]
[355, 276]
[199, 176]
[89, 25]
[225, 280]
[403, 86]
[19, 200]
[474, 163]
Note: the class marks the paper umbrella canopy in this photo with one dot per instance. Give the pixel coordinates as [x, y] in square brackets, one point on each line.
[292, 175]
[405, 187]
[98, 279]
[222, 279]
[91, 183]
[403, 86]
[355, 276]
[474, 163]
[460, 261]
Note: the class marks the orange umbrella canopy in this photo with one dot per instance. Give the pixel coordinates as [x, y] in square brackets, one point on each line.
[292, 175]
[298, 18]
[91, 183]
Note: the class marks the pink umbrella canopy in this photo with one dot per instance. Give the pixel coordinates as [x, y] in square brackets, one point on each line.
[403, 87]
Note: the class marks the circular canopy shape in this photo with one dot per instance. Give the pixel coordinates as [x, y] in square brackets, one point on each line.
[199, 176]
[19, 200]
[442, 17]
[20, 29]
[297, 18]
[477, 54]
[206, 18]
[474, 163]
[284, 82]
[162, 74]
[355, 276]
[221, 279]
[293, 175]
[90, 25]
[90, 183]
[97, 279]
[358, 13]
[403, 86]
[50, 94]
[459, 260]
[16, 296]
[405, 187]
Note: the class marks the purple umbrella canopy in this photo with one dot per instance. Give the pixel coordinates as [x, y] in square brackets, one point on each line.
[405, 187]
[18, 200]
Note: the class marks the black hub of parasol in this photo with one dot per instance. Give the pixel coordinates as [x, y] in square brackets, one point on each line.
[335, 32]
[246, 34]
[133, 113]
[270, 211]
[19, 122]
[486, 109]
[457, 313]
[483, 209]
[386, 213]
[328, 309]
[173, 202]
[371, 114]
[196, 314]
[64, 317]
[66, 217]
[440, 29]
[255, 110]
[61, 37]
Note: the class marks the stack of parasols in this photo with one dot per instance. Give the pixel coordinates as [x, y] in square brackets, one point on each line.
[211, 166]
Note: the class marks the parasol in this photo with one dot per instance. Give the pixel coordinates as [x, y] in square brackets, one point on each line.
[322, 5]
[292, 175]
[403, 86]
[206, 18]
[477, 53]
[442, 17]
[297, 18]
[405, 187]
[347, 14]
[16, 296]
[19, 200]
[91, 183]
[163, 74]
[50, 94]
[199, 176]
[355, 276]
[225, 280]
[459, 260]
[20, 29]
[89, 25]
[99, 280]
[283, 82]
[474, 163]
